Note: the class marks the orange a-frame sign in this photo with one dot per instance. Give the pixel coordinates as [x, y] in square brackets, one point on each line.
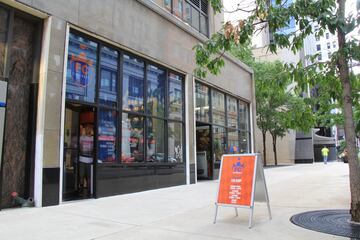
[240, 174]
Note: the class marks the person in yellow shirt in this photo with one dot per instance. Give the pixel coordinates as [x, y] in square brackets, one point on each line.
[325, 154]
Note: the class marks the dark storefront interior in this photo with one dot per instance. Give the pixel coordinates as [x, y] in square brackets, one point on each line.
[222, 127]
[124, 122]
[20, 46]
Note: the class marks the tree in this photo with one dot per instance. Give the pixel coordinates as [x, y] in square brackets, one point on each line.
[276, 108]
[328, 14]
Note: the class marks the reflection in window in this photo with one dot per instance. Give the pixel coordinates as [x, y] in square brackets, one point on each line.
[202, 103]
[218, 107]
[167, 4]
[233, 141]
[132, 144]
[232, 113]
[133, 84]
[220, 146]
[108, 76]
[175, 142]
[107, 136]
[156, 78]
[155, 142]
[81, 69]
[244, 142]
[203, 25]
[178, 7]
[175, 97]
[244, 116]
[195, 18]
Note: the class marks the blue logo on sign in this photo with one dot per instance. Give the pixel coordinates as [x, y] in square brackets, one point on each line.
[238, 166]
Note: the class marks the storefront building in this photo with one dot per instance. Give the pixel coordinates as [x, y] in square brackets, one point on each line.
[110, 99]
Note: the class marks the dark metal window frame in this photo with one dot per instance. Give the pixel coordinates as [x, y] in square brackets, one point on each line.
[119, 108]
[198, 9]
[227, 128]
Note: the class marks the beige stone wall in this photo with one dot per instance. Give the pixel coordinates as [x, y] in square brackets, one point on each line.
[285, 148]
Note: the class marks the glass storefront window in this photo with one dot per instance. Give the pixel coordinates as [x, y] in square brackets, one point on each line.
[233, 141]
[232, 113]
[219, 138]
[155, 103]
[175, 142]
[244, 142]
[133, 84]
[132, 144]
[202, 103]
[107, 136]
[218, 107]
[108, 76]
[244, 115]
[3, 35]
[175, 97]
[155, 142]
[81, 69]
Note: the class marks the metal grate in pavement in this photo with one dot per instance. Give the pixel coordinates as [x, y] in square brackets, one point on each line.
[335, 222]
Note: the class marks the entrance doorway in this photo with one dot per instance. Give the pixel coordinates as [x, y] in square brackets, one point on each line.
[204, 152]
[79, 145]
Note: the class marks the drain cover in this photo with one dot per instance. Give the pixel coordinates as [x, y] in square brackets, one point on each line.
[335, 222]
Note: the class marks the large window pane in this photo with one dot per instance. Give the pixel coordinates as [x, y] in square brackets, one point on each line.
[155, 142]
[244, 115]
[203, 25]
[156, 78]
[233, 141]
[132, 144]
[175, 97]
[107, 136]
[81, 69]
[108, 75]
[175, 144]
[3, 32]
[195, 18]
[244, 142]
[232, 113]
[218, 107]
[167, 4]
[187, 13]
[133, 84]
[219, 137]
[202, 103]
[178, 7]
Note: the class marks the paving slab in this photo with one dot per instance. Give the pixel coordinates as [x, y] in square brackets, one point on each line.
[187, 212]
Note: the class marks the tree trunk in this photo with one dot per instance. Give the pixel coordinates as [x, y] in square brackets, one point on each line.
[274, 148]
[264, 146]
[354, 165]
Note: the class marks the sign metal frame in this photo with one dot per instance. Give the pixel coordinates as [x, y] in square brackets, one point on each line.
[257, 164]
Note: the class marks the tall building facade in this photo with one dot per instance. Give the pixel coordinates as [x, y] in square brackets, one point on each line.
[102, 100]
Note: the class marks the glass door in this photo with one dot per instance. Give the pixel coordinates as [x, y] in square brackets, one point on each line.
[204, 152]
[78, 168]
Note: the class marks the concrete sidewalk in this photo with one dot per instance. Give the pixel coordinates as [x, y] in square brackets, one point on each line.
[187, 212]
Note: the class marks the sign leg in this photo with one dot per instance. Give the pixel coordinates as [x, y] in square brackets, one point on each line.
[268, 205]
[236, 212]
[251, 216]
[216, 212]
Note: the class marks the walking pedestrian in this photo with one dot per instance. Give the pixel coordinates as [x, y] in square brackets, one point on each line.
[325, 154]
